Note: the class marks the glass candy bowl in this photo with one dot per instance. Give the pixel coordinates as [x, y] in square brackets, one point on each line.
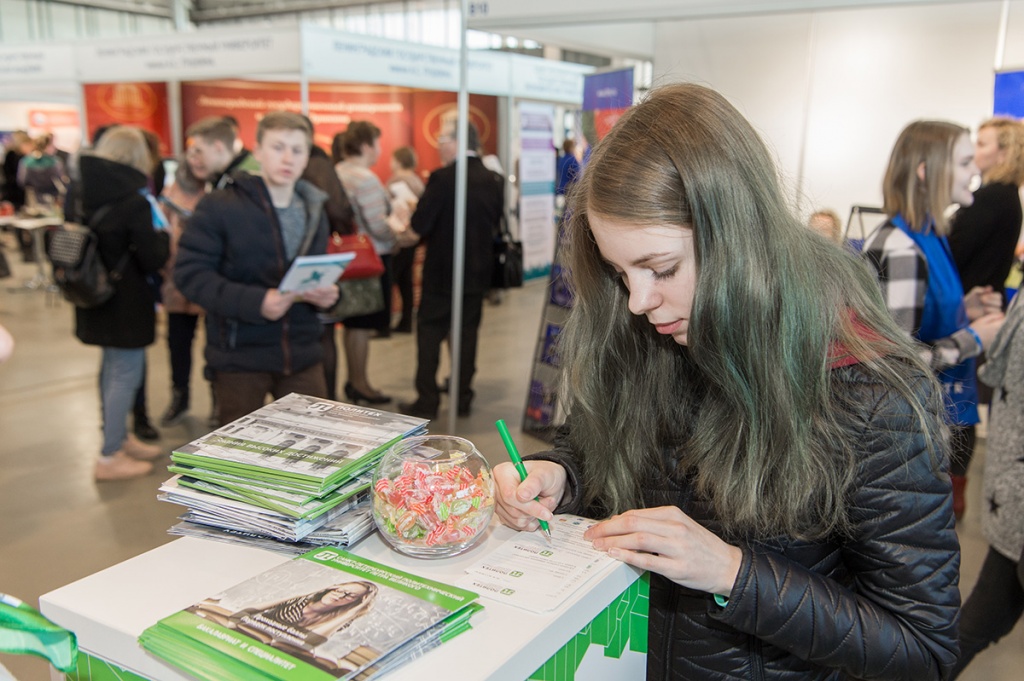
[433, 496]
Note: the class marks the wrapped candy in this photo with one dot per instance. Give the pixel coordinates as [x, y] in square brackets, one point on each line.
[433, 496]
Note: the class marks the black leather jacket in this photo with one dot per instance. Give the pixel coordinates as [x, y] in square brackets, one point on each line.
[881, 604]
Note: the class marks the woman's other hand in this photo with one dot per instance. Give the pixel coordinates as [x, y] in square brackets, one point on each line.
[516, 503]
[982, 300]
[988, 326]
[667, 541]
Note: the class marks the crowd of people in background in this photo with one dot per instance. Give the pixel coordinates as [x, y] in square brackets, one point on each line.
[757, 419]
[213, 241]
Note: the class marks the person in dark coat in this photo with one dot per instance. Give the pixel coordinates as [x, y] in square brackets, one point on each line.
[234, 252]
[984, 238]
[19, 145]
[434, 222]
[113, 181]
[320, 173]
[213, 156]
[984, 234]
[745, 417]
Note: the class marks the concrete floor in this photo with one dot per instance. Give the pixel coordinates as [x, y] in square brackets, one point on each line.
[57, 525]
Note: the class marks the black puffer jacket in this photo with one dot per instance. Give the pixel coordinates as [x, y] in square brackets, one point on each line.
[882, 604]
[128, 319]
[230, 253]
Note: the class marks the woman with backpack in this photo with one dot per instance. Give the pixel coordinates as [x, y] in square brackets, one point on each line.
[114, 206]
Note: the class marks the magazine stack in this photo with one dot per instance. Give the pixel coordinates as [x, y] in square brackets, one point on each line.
[291, 476]
[325, 615]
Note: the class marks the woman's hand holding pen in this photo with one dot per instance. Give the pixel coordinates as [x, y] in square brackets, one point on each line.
[516, 505]
[667, 541]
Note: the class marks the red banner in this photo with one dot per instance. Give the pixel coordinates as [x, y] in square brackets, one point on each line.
[143, 105]
[432, 110]
[404, 115]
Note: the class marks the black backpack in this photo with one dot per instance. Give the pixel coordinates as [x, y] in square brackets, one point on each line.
[78, 270]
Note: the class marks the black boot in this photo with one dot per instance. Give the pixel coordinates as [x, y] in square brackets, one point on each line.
[178, 408]
[144, 430]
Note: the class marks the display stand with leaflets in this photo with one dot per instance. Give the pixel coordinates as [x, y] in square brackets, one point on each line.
[599, 632]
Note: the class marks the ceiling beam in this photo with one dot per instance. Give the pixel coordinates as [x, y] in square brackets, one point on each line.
[265, 9]
[161, 10]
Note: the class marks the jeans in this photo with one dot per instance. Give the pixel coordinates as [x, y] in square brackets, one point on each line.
[992, 609]
[121, 374]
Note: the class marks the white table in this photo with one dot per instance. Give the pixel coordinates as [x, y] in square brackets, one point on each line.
[110, 609]
[37, 226]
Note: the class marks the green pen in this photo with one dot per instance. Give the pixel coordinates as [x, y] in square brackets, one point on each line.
[513, 454]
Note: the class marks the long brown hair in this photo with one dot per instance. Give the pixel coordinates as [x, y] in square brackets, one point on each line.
[747, 409]
[904, 192]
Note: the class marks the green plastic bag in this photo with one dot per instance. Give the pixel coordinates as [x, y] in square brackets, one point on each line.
[24, 631]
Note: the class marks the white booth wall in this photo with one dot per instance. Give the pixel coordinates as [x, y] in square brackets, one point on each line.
[830, 90]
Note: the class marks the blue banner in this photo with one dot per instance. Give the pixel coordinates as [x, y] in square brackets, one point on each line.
[612, 90]
[1009, 94]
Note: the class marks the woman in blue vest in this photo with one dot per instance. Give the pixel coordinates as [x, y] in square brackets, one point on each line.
[930, 168]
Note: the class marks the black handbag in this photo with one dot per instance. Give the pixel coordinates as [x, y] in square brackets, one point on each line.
[508, 260]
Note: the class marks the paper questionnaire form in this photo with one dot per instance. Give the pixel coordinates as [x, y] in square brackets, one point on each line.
[530, 573]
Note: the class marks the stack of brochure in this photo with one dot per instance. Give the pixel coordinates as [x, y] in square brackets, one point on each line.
[293, 474]
[325, 615]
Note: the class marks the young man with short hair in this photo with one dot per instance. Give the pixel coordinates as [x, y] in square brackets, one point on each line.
[233, 254]
[212, 153]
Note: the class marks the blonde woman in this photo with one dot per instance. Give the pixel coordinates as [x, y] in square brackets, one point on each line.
[114, 178]
[985, 232]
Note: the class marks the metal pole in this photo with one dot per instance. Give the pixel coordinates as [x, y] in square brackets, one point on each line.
[303, 76]
[806, 114]
[459, 251]
[175, 117]
[1004, 22]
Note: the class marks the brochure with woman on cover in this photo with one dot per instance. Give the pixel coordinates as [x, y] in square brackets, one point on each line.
[325, 615]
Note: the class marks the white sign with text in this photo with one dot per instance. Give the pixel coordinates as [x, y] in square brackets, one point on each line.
[185, 56]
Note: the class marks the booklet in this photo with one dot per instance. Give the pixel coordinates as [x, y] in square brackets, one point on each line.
[346, 530]
[314, 271]
[312, 443]
[325, 615]
[245, 515]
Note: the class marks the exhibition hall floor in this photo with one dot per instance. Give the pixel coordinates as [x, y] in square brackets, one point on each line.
[57, 525]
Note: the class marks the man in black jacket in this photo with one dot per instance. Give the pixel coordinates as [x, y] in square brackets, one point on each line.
[212, 156]
[231, 258]
[434, 222]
